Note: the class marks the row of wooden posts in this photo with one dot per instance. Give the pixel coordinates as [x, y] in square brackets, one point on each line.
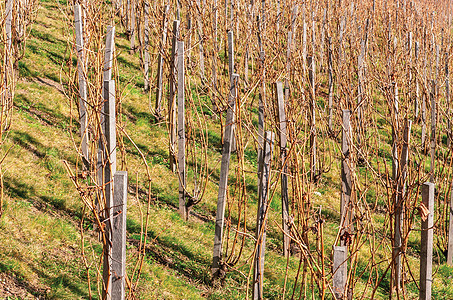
[116, 193]
[340, 253]
[112, 193]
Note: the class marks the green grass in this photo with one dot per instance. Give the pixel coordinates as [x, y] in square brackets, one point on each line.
[40, 242]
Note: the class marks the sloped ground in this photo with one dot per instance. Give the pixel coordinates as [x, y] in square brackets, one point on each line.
[40, 243]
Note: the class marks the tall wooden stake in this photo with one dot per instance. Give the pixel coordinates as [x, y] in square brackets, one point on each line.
[172, 98]
[258, 271]
[146, 46]
[217, 267]
[109, 171]
[119, 236]
[340, 271]
[78, 22]
[284, 168]
[181, 133]
[160, 62]
[450, 230]
[426, 250]
[433, 128]
[399, 206]
[346, 180]
[329, 61]
[313, 154]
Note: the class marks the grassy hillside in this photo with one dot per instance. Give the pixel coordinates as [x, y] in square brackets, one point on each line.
[40, 240]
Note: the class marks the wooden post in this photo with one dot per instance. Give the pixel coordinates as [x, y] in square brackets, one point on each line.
[108, 62]
[433, 128]
[119, 236]
[230, 53]
[329, 61]
[450, 230]
[82, 83]
[447, 100]
[417, 85]
[399, 206]
[360, 75]
[340, 39]
[395, 129]
[9, 48]
[231, 68]
[313, 157]
[146, 46]
[200, 45]
[109, 53]
[217, 268]
[340, 271]
[109, 171]
[8, 23]
[304, 46]
[426, 250]
[261, 105]
[160, 62]
[288, 64]
[346, 180]
[172, 98]
[284, 168]
[258, 271]
[181, 133]
[132, 26]
[409, 67]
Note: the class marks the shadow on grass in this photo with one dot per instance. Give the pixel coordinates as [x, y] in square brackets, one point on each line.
[18, 280]
[171, 253]
[48, 204]
[32, 145]
[47, 116]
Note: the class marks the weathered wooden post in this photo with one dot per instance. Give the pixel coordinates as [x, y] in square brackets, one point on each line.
[109, 171]
[426, 250]
[313, 156]
[8, 23]
[181, 133]
[417, 85]
[329, 61]
[304, 46]
[78, 23]
[217, 268]
[146, 44]
[261, 105]
[109, 53]
[107, 158]
[231, 68]
[119, 236]
[172, 98]
[447, 100]
[450, 230]
[346, 180]
[360, 75]
[396, 267]
[340, 39]
[433, 128]
[160, 62]
[132, 26]
[258, 271]
[230, 53]
[284, 168]
[340, 271]
[399, 206]
[107, 76]
[288, 64]
[200, 45]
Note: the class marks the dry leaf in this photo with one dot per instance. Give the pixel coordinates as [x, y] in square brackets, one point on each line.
[424, 212]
